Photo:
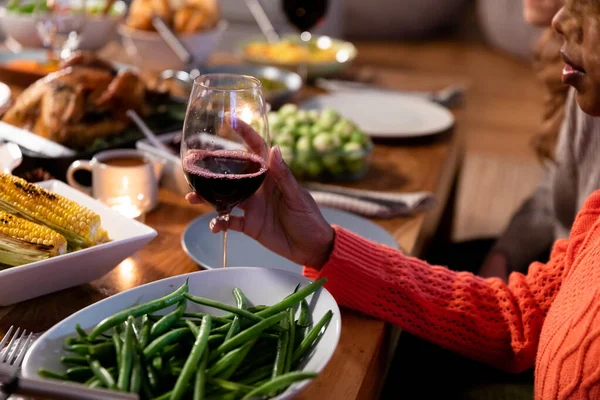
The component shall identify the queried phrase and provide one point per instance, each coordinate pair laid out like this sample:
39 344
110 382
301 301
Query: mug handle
74 167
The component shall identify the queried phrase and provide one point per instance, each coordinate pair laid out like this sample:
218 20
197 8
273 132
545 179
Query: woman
549 318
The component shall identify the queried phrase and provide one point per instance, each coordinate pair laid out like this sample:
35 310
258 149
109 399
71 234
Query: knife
33 142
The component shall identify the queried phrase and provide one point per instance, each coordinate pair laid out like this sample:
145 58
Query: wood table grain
358 367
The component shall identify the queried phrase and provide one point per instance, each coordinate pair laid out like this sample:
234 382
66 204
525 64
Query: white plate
387 115
206 248
5 94
215 284
61 272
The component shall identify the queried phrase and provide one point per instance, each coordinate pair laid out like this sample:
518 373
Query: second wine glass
225 141
59 24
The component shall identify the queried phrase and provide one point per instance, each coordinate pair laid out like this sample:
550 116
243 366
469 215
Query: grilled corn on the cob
22 241
78 224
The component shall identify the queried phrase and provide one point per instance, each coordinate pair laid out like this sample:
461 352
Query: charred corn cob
78 224
22 241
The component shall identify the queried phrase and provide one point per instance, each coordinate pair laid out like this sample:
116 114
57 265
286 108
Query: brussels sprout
284 140
297 168
287 110
303 145
336 169
356 166
343 128
359 137
352 151
302 116
291 122
329 117
287 153
302 130
313 167
312 115
315 130
324 142
330 160
273 118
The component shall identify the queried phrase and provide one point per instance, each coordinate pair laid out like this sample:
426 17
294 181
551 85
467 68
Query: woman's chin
589 102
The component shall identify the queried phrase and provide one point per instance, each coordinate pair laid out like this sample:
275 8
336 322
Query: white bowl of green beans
235 333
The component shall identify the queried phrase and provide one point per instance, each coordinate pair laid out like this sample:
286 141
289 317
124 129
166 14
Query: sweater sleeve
484 319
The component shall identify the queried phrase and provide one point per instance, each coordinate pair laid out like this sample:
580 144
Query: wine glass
225 141
305 15
59 24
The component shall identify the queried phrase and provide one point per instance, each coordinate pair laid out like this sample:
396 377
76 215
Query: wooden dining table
358 367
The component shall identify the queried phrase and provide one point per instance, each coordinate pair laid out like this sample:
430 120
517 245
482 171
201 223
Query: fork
11 358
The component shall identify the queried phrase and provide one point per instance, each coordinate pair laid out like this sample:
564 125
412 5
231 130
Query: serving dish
98 31
72 269
343 55
216 285
150 49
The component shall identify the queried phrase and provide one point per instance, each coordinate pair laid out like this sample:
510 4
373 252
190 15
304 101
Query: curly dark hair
548 66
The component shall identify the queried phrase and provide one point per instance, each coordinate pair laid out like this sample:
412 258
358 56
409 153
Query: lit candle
124 206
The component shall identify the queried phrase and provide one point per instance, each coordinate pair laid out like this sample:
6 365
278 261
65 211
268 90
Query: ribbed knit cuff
355 270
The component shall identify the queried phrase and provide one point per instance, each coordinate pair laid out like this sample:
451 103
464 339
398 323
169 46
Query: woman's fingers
193 198
235 223
283 176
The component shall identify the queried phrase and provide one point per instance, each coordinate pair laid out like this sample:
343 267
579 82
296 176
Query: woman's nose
559 20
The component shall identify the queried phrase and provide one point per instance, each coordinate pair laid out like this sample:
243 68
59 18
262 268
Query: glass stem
225 218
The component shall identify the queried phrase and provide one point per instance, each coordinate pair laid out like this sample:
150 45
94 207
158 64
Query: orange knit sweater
549 318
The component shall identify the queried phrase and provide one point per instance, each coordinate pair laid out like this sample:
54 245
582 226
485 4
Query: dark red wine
305 14
224 178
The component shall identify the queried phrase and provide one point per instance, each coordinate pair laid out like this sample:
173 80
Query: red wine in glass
305 14
224 178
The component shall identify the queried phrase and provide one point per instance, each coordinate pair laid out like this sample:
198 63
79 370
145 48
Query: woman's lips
570 74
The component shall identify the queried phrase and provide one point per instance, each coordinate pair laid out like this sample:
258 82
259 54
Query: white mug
138 183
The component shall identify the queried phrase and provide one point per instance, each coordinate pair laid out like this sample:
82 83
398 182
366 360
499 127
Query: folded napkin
371 203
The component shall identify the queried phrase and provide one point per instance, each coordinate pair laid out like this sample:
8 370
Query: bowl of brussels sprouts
320 144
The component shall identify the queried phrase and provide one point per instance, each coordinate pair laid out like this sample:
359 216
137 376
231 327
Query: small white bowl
151 51
57 273
21 32
214 284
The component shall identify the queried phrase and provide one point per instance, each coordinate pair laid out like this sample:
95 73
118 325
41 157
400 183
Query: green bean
215 338
198 349
223 328
292 299
193 327
118 346
75 360
265 356
160 342
291 341
229 359
136 375
170 350
257 375
254 310
240 300
81 332
157 363
126 357
144 332
223 306
139 310
279 383
79 373
311 337
44 373
226 396
231 386
82 349
91 380
199 315
101 349
164 396
282 350
151 375
304 318
248 334
101 373
96 383
163 324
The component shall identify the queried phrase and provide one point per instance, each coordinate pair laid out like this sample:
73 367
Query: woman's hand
283 217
